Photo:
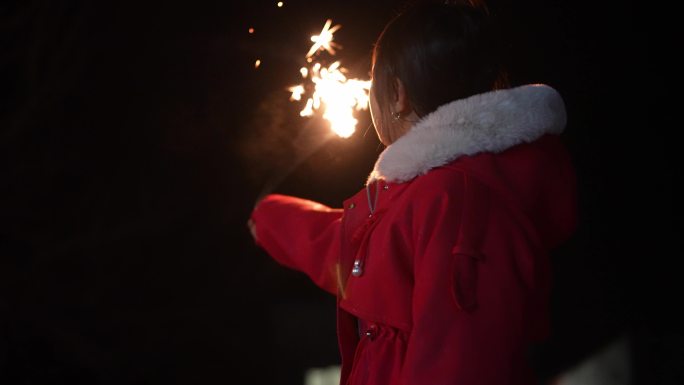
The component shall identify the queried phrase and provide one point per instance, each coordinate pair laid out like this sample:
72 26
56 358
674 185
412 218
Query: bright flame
280 4
333 93
308 109
257 63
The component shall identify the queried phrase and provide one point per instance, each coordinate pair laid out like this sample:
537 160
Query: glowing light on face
334 95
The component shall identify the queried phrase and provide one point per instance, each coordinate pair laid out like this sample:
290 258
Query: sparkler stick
276 180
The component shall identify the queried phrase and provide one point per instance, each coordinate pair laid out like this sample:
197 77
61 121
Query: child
440 265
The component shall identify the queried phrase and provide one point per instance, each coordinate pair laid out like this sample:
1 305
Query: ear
401 103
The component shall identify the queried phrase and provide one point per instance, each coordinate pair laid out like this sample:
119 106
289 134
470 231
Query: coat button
372 332
357 270
386 187
351 206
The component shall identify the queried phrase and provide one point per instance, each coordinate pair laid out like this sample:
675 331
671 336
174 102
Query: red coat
452 275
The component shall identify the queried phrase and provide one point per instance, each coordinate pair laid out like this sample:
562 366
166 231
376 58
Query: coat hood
488 122
509 140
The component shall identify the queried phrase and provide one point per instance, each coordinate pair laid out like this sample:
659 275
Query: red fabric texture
456 274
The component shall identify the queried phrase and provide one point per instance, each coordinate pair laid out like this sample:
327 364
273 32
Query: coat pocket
464 271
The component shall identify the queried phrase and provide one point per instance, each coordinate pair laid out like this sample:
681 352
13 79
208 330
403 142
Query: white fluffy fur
489 122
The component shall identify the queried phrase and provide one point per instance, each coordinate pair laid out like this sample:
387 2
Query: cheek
374 110
376 115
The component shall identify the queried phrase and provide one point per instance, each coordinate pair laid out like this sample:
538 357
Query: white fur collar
488 122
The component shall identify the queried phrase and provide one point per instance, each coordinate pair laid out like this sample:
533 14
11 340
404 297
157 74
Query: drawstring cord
372 205
357 269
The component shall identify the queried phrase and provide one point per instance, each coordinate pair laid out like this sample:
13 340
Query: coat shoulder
449 181
438 191
441 179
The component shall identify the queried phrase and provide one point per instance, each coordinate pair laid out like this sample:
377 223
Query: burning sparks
297 92
333 93
324 40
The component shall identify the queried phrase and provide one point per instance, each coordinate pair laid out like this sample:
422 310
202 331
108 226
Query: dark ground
135 138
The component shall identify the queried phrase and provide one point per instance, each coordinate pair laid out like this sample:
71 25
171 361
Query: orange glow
251 30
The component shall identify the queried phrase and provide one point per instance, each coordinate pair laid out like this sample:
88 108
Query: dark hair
440 52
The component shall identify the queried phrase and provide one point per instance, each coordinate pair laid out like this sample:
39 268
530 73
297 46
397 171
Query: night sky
135 138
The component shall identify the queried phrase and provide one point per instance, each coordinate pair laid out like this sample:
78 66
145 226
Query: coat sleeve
466 307
302 235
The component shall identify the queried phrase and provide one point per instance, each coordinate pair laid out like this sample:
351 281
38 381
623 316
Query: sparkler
333 93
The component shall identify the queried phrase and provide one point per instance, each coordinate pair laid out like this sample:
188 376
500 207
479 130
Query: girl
440 265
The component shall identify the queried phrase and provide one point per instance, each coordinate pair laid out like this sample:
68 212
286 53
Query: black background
135 138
